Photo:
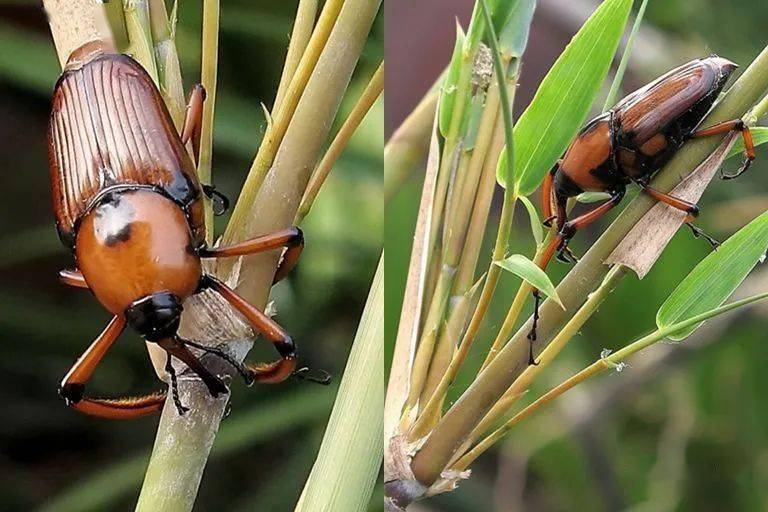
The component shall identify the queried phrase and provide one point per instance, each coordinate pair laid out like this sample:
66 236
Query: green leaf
713 280
507 172
564 97
536 229
475 30
759 136
502 168
351 453
610 98
592 197
450 86
513 32
528 271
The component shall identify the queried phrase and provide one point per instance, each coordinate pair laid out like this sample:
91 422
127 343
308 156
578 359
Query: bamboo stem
209 73
364 103
350 455
277 129
302 32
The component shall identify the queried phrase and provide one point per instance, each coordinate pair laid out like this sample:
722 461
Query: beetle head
156 316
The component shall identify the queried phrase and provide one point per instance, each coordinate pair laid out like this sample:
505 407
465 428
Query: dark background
53 456
686 427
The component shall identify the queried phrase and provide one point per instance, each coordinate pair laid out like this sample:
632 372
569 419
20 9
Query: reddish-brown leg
72 278
73 386
291 238
730 126
193 119
546 196
566 230
271 372
690 208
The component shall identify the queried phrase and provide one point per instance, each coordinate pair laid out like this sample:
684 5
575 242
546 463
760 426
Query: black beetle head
156 316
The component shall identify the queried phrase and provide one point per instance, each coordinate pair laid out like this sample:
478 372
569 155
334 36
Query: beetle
628 144
129 206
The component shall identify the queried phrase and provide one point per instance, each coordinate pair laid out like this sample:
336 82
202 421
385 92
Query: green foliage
533 215
527 270
716 277
513 32
564 97
451 84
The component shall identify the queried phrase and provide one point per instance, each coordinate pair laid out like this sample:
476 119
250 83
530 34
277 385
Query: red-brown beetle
129 205
632 141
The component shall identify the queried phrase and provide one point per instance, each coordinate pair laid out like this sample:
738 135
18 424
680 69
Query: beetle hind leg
726 127
685 206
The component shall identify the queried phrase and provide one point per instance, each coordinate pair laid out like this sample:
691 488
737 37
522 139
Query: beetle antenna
321 377
174 386
237 365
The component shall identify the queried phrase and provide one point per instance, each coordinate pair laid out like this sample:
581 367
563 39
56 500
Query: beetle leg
276 371
193 119
569 228
178 349
546 196
726 127
72 387
690 208
291 238
72 278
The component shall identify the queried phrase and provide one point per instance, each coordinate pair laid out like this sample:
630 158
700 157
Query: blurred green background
685 428
53 457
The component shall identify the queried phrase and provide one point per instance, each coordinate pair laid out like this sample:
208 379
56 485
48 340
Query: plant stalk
346 468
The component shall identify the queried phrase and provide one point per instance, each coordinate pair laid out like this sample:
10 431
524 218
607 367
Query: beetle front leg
546 196
72 388
72 278
730 126
276 371
291 238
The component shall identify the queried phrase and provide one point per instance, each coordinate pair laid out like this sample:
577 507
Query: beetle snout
726 66
156 316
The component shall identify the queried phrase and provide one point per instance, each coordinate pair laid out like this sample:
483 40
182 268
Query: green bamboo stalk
407 146
274 208
608 362
141 47
167 60
302 31
209 73
347 466
283 118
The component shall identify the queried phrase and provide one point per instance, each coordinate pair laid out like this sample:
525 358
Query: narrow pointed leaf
713 280
528 271
564 97
450 86
513 33
533 215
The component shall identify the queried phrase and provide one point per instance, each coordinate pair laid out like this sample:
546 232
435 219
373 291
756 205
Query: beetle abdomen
109 126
